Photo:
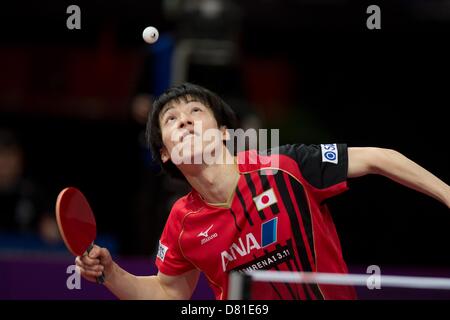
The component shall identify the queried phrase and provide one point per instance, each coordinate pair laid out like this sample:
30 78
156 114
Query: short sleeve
323 166
170 259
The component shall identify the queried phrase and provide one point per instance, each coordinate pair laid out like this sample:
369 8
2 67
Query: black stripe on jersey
288 263
266 185
250 184
295 224
235 222
287 285
314 287
297 268
302 203
252 188
291 249
244 206
276 290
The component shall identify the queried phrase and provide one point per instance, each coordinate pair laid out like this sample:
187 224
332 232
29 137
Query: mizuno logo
206 236
205 233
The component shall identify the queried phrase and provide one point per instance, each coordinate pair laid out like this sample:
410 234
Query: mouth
187 134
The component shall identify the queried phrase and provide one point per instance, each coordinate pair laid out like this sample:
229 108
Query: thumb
95 252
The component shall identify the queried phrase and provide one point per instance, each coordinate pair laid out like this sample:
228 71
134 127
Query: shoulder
184 205
297 150
251 160
303 153
287 149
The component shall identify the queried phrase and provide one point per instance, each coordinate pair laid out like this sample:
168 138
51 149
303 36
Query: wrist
110 273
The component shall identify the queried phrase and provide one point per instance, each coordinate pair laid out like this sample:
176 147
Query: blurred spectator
23 207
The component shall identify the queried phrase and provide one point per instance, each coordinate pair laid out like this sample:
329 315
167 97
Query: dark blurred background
73 105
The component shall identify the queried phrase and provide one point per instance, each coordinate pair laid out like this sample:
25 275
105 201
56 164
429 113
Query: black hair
223 113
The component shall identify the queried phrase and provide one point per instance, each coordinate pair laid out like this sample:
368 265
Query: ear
164 154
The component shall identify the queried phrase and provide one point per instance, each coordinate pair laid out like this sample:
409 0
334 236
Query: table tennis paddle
76 223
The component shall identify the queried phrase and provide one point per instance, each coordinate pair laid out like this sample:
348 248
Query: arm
395 166
158 287
127 286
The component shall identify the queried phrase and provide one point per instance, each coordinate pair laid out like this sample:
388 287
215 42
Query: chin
191 157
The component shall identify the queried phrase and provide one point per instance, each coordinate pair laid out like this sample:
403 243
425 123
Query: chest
267 215
220 240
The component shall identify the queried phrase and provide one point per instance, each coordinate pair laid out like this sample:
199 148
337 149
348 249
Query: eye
196 109
169 119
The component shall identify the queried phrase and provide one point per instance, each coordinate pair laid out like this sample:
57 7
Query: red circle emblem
265 199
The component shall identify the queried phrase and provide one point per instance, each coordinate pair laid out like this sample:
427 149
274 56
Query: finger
95 252
78 262
98 267
84 272
104 254
90 273
90 261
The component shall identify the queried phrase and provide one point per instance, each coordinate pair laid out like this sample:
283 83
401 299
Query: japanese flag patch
265 199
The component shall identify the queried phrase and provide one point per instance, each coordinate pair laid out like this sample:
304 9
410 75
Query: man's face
187 129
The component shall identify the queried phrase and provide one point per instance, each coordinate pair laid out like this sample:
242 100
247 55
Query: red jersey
276 220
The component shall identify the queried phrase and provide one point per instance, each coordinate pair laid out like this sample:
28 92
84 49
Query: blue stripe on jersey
269 232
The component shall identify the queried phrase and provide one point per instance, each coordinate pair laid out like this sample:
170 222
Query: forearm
399 168
126 286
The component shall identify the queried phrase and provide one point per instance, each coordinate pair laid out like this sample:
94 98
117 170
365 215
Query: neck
215 182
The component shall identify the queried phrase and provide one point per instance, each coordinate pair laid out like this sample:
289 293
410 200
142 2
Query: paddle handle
100 279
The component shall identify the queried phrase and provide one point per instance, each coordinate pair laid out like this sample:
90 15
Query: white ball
150 35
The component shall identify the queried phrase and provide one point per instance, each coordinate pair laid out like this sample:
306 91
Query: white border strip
350 279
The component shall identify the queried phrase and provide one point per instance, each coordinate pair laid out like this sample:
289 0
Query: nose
185 121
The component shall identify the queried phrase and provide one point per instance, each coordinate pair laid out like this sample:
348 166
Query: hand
97 261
